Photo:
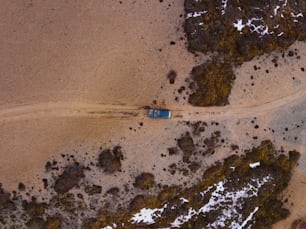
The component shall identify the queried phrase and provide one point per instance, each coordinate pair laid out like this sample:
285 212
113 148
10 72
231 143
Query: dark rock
36 223
51 166
66 202
233 175
144 181
214 32
198 127
33 208
110 160
194 166
299 224
187 146
93 189
173 151
69 178
172 168
211 142
214 80
141 201
21 187
172 76
45 181
54 222
168 193
234 147
5 201
113 191
294 156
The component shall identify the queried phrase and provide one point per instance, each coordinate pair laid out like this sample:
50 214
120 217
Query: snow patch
223 6
184 200
260 29
147 215
196 14
254 165
228 202
239 25
275 10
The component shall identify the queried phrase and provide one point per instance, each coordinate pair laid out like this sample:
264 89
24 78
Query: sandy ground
68 71
93 52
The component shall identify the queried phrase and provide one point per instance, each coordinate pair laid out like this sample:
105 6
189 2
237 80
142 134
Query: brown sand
89 53
60 62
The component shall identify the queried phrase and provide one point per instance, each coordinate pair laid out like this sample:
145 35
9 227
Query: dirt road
186 112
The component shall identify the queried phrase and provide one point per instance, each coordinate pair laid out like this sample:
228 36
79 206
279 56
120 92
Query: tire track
186 112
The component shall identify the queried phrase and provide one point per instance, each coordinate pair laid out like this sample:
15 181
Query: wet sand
114 53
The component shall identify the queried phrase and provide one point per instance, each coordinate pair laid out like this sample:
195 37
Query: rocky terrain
228 193
234 32
229 168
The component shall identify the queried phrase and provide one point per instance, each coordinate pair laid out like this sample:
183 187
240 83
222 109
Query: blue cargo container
157 113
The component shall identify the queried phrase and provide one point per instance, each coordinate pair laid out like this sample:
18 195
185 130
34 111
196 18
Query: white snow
260 29
254 165
206 191
296 15
249 217
239 25
275 10
257 25
110 227
146 215
223 5
196 14
228 202
183 218
184 200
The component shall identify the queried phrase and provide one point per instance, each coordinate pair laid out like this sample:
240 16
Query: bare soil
74 82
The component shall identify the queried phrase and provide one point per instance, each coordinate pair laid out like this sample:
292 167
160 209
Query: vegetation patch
241 191
144 181
214 80
69 178
110 160
235 32
186 144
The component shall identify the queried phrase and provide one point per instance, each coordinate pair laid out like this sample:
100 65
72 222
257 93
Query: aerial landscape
153 114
